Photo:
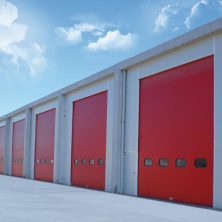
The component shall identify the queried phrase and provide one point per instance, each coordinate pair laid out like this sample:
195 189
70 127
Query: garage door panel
176 121
89 141
18 148
44 145
2 145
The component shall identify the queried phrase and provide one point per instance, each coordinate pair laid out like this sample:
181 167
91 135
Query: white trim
109 138
17 118
182 56
60 135
37 110
131 133
27 143
2 123
217 196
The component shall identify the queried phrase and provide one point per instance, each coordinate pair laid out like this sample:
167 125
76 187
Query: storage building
149 126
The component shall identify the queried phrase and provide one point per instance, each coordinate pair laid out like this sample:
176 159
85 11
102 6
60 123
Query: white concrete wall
2 123
217 198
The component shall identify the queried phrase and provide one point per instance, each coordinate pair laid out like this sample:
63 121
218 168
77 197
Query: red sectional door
89 141
176 134
2 145
44 145
18 148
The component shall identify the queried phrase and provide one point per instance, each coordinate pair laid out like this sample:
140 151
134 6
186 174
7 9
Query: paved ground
31 201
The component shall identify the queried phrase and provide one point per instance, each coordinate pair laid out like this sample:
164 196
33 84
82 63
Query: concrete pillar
217 194
27 144
60 141
118 131
8 138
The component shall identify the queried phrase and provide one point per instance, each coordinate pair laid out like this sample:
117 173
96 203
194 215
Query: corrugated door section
18 148
89 141
44 145
176 134
2 145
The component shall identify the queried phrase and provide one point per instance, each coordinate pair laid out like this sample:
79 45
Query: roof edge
207 30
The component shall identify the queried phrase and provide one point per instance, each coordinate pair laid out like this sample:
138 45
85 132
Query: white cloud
167 14
113 40
88 27
195 10
74 34
70 35
10 31
8 13
37 60
175 17
12 34
32 55
105 37
203 10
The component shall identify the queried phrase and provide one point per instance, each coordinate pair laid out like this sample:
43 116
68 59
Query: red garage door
18 148
89 141
176 134
44 145
2 145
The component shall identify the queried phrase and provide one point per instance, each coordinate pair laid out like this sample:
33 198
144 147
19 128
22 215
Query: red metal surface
44 145
89 141
18 148
2 144
176 121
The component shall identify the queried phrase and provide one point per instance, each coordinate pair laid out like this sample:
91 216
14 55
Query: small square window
181 162
200 163
42 161
83 161
163 162
100 161
91 161
148 162
76 162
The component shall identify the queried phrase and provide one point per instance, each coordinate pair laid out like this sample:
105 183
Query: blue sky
48 44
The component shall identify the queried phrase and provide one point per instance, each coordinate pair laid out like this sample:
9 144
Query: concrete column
118 131
217 194
8 142
60 141
27 144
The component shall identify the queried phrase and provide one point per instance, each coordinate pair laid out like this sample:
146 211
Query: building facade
148 126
